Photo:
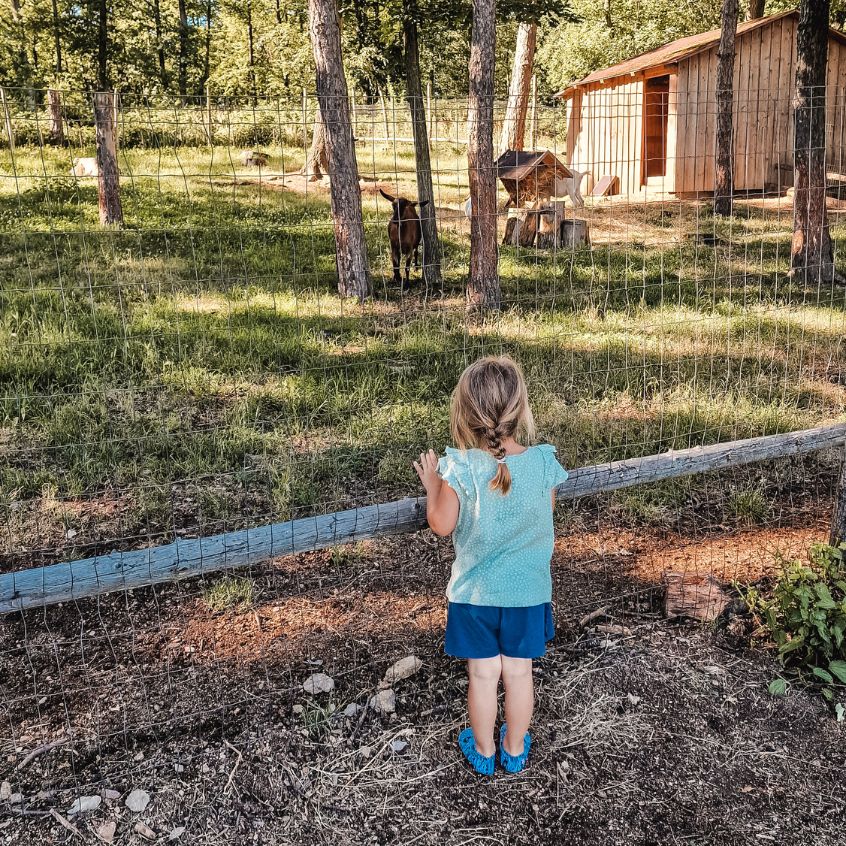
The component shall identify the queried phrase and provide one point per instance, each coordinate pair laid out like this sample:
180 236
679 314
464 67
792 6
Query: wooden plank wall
604 133
605 128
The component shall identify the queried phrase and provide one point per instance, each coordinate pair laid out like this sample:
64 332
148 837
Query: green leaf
828 693
839 670
796 643
825 600
778 687
820 673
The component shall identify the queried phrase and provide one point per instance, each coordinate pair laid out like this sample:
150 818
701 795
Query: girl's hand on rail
427 470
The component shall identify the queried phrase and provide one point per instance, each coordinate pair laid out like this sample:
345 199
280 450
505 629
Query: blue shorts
485 631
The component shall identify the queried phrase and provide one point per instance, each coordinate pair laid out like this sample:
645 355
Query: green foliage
805 616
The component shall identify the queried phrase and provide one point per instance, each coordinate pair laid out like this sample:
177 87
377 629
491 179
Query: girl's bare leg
483 676
519 701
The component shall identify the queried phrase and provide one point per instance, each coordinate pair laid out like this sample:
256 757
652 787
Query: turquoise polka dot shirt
503 544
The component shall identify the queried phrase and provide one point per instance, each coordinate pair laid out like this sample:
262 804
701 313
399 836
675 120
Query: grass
198 366
229 592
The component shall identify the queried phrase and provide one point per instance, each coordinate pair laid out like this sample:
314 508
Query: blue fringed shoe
467 745
513 763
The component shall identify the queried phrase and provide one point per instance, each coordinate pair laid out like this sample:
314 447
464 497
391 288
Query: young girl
495 496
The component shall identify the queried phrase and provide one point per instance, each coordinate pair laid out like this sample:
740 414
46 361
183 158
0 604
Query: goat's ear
423 203
388 197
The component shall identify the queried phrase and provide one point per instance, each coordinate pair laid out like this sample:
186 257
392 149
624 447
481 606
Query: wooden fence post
57 125
305 121
838 519
108 180
209 126
10 133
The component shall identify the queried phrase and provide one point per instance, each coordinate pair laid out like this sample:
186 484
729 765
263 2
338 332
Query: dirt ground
665 734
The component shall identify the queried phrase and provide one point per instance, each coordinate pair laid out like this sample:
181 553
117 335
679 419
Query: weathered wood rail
71 580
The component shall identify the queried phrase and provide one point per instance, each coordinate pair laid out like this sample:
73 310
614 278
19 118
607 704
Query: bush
253 135
806 619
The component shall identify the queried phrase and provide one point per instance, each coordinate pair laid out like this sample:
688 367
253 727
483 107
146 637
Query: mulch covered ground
662 734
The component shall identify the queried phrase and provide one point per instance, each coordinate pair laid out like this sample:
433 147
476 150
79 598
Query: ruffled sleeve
454 469
553 473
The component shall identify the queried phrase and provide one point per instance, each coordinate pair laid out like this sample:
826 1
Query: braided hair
489 404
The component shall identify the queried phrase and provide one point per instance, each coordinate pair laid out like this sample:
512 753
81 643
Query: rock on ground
319 683
83 804
384 702
402 669
137 800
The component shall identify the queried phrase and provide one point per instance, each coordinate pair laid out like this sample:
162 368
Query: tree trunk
103 45
57 41
108 181
252 53
755 10
17 21
207 57
724 177
483 289
425 191
332 95
57 126
811 255
514 125
317 158
160 52
183 50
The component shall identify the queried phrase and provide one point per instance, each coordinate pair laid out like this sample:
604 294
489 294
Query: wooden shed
651 121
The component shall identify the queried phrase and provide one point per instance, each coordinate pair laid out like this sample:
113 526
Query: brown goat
405 234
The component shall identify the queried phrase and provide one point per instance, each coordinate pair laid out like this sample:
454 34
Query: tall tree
57 38
102 45
160 48
811 254
317 158
483 290
514 125
252 53
350 247
724 176
425 191
184 32
755 10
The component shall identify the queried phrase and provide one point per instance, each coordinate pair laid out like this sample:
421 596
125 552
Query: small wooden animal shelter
651 121
532 179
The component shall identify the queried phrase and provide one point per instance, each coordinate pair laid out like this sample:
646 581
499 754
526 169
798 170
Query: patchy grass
198 369
229 592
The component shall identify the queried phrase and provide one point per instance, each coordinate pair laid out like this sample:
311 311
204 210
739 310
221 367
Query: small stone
352 709
83 804
178 768
5 791
399 745
111 795
176 833
402 669
365 751
70 534
137 800
144 830
106 832
318 683
298 709
16 799
139 756
633 700
384 702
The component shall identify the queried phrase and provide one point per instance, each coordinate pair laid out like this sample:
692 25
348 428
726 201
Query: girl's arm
442 504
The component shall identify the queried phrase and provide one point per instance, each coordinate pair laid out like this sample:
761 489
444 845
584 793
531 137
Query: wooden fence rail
40 586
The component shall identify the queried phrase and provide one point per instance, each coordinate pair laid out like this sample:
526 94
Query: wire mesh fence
195 372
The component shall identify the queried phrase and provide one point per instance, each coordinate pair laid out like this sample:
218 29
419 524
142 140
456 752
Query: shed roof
677 50
518 164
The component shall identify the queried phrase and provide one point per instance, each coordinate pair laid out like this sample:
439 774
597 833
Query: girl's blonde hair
491 403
